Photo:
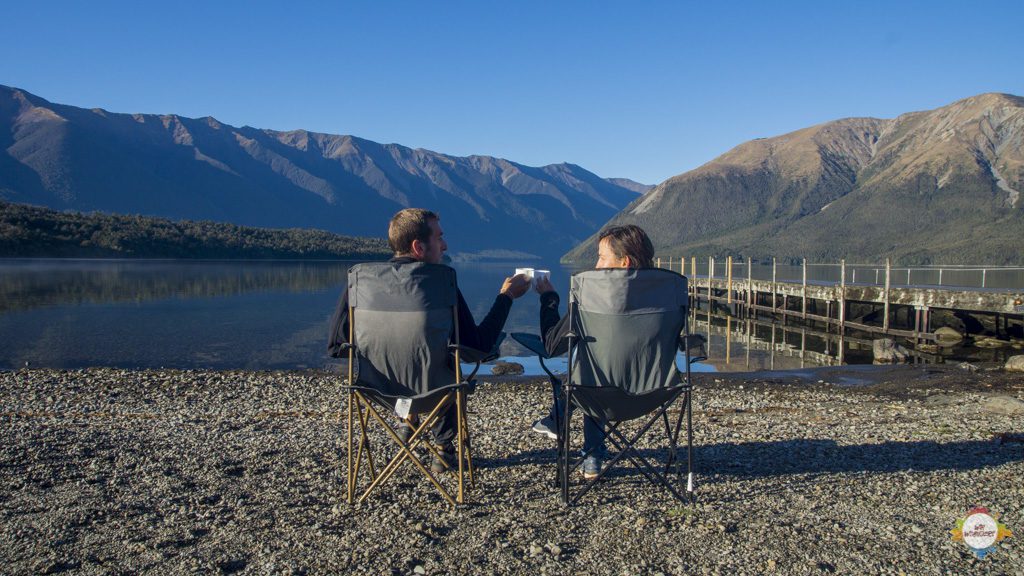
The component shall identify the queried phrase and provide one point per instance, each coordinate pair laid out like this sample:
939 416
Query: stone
967 367
946 336
507 369
887 351
1006 405
1014 364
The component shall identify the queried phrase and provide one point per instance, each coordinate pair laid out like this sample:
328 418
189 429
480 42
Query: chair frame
627 446
361 408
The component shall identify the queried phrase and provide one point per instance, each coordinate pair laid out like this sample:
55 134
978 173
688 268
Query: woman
618 247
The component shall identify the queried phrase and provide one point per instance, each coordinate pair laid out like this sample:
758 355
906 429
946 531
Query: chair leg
459 438
469 446
349 476
406 453
565 445
405 450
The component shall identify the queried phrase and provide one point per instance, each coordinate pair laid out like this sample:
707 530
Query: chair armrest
696 345
479 356
531 342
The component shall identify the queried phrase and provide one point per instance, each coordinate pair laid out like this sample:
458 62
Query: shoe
546 426
449 459
405 432
591 467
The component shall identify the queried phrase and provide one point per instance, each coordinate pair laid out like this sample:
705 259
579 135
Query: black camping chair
404 356
626 328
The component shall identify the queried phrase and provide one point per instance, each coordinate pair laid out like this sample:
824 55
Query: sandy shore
116 471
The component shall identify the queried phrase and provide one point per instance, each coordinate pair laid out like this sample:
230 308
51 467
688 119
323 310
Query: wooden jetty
830 302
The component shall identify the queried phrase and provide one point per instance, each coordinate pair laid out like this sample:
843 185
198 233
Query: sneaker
546 426
449 459
405 431
591 467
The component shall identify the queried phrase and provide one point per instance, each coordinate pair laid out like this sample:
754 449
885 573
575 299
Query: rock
887 351
988 342
967 366
1014 364
946 336
507 369
1007 405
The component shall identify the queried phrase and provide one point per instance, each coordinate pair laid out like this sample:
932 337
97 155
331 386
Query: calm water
183 314
275 315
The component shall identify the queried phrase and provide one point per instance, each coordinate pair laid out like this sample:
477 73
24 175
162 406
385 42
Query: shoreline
176 471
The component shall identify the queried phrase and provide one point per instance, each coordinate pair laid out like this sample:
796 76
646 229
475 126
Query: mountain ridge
171 166
926 186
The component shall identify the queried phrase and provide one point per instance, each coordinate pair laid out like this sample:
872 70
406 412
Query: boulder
507 369
1006 405
946 336
887 351
1014 364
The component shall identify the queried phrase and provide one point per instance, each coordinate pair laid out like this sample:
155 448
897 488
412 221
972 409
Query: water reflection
186 314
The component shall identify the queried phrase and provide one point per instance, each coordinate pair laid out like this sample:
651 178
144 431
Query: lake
261 315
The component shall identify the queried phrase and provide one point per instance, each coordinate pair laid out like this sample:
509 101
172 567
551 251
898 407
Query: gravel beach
841 470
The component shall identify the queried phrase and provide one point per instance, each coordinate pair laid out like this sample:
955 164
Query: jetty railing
993 277
830 289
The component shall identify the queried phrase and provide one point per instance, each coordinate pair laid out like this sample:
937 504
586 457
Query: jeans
593 428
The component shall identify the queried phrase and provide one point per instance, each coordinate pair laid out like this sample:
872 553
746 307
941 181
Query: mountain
631 185
938 186
70 158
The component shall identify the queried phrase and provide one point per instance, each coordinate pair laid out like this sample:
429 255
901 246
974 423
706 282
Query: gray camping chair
404 355
626 328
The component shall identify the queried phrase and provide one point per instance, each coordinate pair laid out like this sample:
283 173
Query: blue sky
644 90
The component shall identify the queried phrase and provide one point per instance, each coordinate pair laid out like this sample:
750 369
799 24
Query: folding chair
626 327
404 356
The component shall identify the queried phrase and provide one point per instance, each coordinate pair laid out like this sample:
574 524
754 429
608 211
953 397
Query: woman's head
624 247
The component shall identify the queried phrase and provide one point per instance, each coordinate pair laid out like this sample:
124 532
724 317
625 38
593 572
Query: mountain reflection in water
274 315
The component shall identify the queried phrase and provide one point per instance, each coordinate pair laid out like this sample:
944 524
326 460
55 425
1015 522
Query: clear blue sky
643 90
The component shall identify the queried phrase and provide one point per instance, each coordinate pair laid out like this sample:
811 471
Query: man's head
417 233
624 247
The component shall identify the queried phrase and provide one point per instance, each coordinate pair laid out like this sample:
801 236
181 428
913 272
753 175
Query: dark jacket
482 337
552 328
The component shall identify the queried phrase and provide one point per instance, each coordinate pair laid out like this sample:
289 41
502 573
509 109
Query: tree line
31 231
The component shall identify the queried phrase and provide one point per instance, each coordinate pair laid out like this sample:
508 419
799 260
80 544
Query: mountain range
938 186
70 158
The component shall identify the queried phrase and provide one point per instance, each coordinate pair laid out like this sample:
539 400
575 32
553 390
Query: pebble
169 471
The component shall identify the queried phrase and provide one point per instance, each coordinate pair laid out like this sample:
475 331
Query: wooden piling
775 287
885 296
842 297
803 295
728 280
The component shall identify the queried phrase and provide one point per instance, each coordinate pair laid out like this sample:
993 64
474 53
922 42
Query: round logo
980 530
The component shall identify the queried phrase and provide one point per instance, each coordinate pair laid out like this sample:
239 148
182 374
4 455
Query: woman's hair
631 241
408 225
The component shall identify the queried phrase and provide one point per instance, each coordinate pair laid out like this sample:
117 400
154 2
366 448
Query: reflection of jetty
830 301
808 345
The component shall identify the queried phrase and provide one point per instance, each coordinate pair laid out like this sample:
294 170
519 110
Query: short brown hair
631 241
408 225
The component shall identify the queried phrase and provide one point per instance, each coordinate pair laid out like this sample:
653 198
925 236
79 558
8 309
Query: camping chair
404 356
626 327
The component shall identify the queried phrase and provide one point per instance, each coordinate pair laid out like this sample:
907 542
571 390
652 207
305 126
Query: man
415 235
617 247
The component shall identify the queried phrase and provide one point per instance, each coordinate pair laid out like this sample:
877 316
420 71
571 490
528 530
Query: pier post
750 285
711 274
885 317
842 298
775 289
803 295
728 280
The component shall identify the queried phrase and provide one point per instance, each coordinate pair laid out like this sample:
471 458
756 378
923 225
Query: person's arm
482 337
553 328
338 335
